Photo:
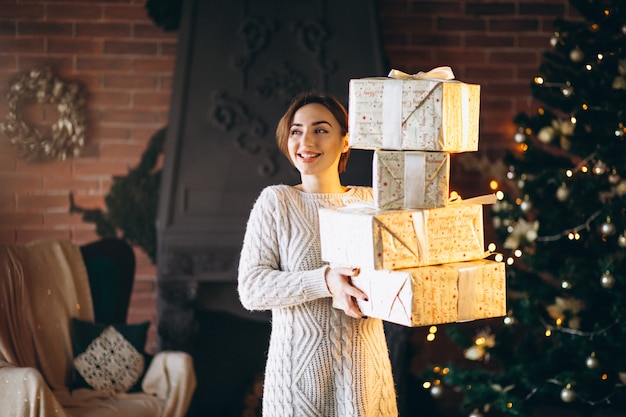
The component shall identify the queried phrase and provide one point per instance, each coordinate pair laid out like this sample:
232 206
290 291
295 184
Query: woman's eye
294 132
320 131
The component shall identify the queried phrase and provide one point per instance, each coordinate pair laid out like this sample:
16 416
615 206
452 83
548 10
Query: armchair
47 287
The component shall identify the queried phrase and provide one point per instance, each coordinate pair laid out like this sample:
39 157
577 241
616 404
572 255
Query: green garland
132 202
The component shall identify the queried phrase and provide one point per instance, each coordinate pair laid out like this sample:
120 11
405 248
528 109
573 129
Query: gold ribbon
439 73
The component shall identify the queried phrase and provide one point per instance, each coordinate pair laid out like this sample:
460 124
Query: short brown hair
327 100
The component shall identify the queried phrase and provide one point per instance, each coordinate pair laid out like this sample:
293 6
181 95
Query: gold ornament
67 132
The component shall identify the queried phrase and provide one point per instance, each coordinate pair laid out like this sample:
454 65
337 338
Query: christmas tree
561 224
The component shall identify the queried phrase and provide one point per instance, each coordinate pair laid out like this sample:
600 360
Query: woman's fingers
344 293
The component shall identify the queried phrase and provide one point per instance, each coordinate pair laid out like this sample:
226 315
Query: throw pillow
109 357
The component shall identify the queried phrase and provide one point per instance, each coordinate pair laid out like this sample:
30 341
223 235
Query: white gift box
410 179
358 235
435 294
423 114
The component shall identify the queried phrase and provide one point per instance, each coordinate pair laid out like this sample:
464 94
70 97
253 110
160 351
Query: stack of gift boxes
421 256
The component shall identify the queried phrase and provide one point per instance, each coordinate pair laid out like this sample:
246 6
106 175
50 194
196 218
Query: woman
323 361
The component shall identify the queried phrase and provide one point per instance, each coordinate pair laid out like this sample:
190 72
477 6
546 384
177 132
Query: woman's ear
346 143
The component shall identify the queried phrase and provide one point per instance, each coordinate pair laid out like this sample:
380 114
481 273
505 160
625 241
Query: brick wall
126 66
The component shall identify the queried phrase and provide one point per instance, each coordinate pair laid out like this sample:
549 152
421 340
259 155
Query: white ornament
436 391
592 362
568 394
607 280
576 55
546 134
607 228
562 193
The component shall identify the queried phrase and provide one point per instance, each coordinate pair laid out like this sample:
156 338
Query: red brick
8 62
16 182
89 201
80 12
98 63
152 31
542 9
535 41
513 25
482 9
131 12
22 11
130 48
437 40
102 99
60 65
88 168
435 7
42 203
7 164
131 117
74 46
490 41
28 45
7 27
55 168
100 132
166 82
65 220
457 57
476 73
157 99
460 24
168 49
7 236
108 30
129 151
7 202
514 57
30 235
410 23
45 28
135 82
154 65
143 134
70 184
18 220
82 236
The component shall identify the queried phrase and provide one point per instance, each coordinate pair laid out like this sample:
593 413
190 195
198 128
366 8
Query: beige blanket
42 285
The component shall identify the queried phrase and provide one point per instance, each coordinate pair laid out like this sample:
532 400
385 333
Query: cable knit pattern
321 363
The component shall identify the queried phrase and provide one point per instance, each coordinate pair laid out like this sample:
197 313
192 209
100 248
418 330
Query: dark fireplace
239 64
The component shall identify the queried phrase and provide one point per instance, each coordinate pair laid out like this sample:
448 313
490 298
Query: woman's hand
339 282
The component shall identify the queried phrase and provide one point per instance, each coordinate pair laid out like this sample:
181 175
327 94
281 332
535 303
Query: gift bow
440 73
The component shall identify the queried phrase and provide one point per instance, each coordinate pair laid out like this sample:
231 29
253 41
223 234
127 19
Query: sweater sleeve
262 285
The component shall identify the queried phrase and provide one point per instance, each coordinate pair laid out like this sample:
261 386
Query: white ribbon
439 73
392 114
415 174
466 307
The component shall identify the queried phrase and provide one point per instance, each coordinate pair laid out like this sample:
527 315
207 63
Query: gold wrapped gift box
359 235
423 115
435 294
410 179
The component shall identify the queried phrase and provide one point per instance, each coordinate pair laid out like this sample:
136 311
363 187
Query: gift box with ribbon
410 179
359 235
414 112
435 294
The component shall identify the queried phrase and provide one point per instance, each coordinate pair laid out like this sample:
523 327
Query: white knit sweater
321 363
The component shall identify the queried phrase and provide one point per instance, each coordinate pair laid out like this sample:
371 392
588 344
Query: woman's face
315 141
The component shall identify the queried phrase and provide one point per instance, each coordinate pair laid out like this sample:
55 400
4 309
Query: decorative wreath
68 131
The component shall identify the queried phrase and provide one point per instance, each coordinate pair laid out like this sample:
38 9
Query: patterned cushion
109 357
